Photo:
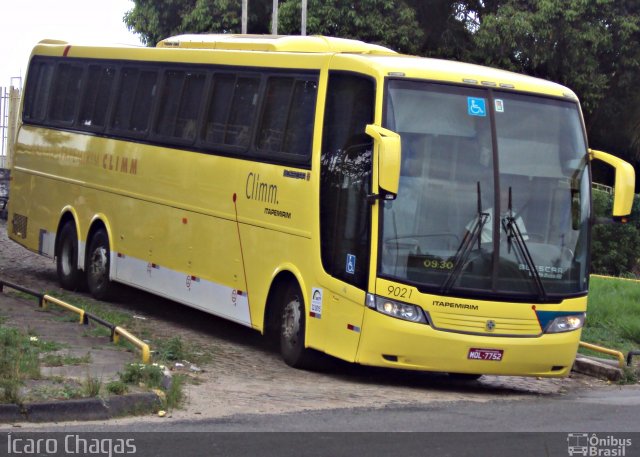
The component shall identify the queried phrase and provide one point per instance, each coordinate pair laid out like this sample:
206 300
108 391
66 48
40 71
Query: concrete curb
85 409
596 368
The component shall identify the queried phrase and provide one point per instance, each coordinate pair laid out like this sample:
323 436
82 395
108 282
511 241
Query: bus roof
384 61
275 43
405 66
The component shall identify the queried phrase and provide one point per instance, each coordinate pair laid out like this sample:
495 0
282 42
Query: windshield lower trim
483 294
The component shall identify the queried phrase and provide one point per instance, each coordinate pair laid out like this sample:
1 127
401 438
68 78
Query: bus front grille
499 326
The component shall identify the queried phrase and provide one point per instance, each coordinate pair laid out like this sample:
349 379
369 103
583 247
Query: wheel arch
283 275
98 222
67 215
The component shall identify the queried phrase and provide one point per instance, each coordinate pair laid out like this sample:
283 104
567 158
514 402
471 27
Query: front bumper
389 342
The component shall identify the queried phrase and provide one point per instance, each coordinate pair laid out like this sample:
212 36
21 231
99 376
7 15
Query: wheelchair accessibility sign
351 264
476 106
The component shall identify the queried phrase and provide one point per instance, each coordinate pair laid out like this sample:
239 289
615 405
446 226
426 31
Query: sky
23 23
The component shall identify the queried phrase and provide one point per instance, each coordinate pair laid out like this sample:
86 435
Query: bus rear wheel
98 266
292 328
69 275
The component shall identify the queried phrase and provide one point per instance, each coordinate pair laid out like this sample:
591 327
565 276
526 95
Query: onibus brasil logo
593 445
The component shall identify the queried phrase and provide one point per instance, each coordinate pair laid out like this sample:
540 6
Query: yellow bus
384 209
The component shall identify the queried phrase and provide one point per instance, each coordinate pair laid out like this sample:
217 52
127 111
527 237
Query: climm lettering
260 191
122 164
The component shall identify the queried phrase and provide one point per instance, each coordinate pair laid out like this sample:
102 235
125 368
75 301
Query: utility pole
274 18
303 28
244 16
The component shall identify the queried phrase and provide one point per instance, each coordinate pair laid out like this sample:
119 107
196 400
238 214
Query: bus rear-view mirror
387 156
624 183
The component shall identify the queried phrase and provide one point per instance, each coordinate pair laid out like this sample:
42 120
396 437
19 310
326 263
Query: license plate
494 355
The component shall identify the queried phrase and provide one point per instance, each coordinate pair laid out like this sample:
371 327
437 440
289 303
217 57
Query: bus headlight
396 309
566 323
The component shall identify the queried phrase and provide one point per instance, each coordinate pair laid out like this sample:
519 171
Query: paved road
602 410
538 427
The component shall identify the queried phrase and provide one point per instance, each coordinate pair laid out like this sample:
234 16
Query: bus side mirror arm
386 160
624 184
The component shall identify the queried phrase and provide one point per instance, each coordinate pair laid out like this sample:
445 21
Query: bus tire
69 275
98 266
292 328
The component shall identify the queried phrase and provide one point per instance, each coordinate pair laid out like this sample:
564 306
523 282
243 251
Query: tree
391 23
155 20
615 248
590 46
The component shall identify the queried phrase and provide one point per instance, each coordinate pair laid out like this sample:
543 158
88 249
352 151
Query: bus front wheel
98 265
292 328
69 275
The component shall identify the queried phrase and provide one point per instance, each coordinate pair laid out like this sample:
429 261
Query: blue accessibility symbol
476 106
351 264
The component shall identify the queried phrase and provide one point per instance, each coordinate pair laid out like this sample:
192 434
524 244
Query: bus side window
345 178
189 109
97 93
135 100
180 105
287 118
274 117
218 109
65 93
244 107
128 81
169 102
38 90
143 102
299 132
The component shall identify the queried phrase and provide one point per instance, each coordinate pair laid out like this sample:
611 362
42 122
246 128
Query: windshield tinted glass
443 232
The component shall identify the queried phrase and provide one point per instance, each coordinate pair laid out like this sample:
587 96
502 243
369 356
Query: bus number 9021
400 292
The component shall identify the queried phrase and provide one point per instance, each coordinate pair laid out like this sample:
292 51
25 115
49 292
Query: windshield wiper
464 249
510 226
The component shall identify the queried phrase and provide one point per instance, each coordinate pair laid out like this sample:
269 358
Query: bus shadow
214 330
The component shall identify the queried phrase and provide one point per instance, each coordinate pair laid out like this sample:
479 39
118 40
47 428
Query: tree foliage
591 46
155 20
615 248
388 22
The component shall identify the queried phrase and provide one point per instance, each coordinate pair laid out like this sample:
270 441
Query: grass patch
176 350
21 356
101 310
613 320
613 314
117 387
143 375
174 395
58 360
63 390
20 294
91 386
19 360
151 377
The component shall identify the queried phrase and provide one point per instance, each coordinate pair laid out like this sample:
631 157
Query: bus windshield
493 196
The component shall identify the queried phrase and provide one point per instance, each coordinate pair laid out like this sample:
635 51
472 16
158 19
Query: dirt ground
246 376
